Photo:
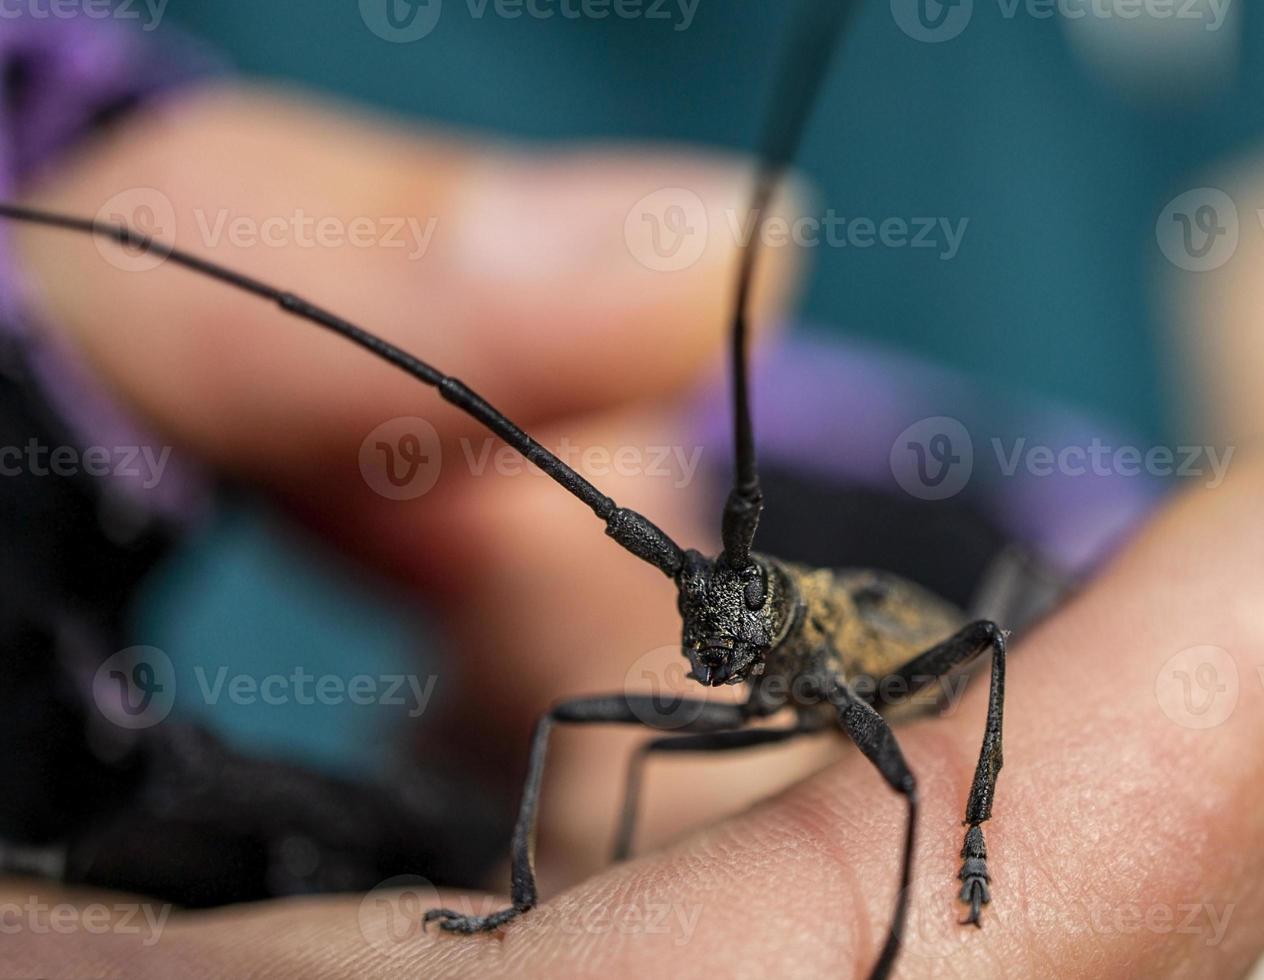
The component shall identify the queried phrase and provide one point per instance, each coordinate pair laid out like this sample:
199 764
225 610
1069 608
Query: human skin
1115 817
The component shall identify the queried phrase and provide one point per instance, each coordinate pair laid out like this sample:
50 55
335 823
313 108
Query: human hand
1098 808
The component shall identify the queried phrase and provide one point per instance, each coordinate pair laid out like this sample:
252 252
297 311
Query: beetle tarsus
452 921
974 876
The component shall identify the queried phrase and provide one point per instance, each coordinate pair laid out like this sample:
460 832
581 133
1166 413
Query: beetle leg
617 709
967 644
712 742
873 736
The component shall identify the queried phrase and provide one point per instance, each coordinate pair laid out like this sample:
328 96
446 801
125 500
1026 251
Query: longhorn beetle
747 617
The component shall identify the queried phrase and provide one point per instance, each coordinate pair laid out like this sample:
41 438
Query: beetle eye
753 593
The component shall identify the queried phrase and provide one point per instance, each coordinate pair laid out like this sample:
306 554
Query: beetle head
731 616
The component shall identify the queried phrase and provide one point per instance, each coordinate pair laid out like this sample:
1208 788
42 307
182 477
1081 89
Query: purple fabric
838 409
70 71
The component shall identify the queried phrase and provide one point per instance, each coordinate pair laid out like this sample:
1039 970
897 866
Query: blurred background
1050 144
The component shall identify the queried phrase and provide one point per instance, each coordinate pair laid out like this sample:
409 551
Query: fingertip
613 270
553 283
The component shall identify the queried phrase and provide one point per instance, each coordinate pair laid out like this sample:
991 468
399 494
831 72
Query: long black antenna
805 58
633 531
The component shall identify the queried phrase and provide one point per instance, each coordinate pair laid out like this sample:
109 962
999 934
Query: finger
532 289
537 287
530 276
1126 837
499 298
1126 840
1213 304
555 610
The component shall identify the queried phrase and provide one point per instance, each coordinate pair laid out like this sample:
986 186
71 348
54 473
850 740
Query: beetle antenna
633 531
804 61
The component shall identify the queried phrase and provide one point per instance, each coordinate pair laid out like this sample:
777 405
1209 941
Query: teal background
1061 176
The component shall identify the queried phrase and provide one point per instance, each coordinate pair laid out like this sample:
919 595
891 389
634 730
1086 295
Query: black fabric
944 545
64 588
170 811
